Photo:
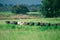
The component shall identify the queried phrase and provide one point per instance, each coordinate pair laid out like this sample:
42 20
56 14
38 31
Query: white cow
20 23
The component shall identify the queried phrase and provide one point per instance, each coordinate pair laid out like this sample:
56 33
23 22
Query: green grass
36 14
27 27
33 13
43 20
28 32
29 35
10 13
5 14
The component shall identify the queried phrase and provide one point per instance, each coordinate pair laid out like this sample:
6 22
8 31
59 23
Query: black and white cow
20 23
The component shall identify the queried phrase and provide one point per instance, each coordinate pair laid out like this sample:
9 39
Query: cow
20 23
44 24
8 22
31 23
14 22
54 24
27 23
58 24
41 24
49 24
38 24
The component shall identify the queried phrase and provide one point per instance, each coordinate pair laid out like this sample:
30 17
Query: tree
20 9
50 8
1 5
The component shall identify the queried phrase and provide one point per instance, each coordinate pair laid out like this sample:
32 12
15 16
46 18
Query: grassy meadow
17 32
27 32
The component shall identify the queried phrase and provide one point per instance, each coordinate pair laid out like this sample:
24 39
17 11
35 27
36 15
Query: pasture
27 32
43 20
10 15
16 32
5 14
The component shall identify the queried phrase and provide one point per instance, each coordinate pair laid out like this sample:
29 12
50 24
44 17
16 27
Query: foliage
50 8
1 5
20 9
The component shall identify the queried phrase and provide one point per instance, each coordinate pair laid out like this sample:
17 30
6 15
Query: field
16 32
29 15
27 32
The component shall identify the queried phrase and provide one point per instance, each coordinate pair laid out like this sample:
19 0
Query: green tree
1 5
50 8
20 9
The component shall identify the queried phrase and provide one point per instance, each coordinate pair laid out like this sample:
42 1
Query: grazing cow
25 23
14 22
38 24
41 24
58 24
20 23
8 22
31 23
28 23
54 24
49 24
44 24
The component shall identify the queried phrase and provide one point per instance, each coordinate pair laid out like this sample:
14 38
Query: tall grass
6 14
28 27
27 32
17 32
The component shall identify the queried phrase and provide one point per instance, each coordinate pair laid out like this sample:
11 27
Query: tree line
8 7
50 8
